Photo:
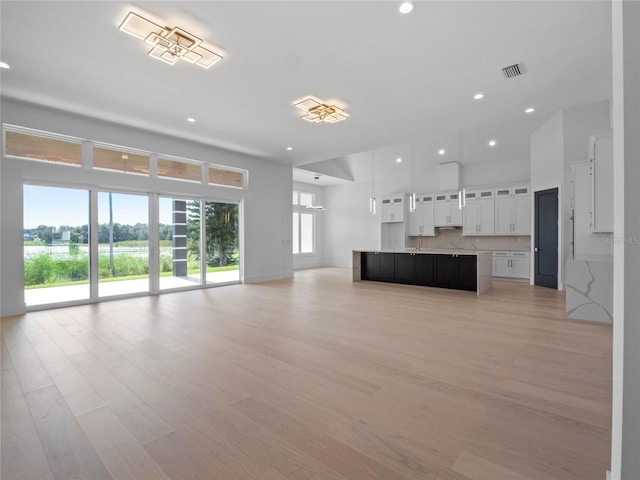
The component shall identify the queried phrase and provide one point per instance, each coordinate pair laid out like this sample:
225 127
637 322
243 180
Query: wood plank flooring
311 378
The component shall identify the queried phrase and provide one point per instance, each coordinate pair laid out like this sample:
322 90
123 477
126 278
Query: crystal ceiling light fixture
317 111
169 45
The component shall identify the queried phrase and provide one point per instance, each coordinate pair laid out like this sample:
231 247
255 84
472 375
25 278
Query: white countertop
431 251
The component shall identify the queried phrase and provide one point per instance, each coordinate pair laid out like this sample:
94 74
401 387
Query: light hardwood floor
311 378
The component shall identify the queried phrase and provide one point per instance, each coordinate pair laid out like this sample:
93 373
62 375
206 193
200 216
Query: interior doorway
546 238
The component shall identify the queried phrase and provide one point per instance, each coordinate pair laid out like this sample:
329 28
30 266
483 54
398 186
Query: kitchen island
458 269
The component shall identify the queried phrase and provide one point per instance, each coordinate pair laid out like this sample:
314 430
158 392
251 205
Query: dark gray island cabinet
461 270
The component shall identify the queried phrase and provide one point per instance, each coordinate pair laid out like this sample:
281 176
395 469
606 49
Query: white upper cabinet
421 222
601 171
447 209
513 210
393 208
479 212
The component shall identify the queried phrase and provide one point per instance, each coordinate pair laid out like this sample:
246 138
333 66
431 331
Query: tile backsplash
455 239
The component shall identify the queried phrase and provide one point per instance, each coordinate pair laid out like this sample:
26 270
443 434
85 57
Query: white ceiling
404 79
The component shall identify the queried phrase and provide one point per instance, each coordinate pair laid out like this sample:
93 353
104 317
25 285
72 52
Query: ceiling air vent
513 70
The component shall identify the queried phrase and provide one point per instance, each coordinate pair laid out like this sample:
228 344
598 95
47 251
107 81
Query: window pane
123 243
220 176
306 198
306 233
179 242
295 198
179 170
222 254
296 233
56 244
43 148
120 161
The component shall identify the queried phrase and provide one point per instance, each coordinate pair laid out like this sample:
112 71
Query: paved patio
50 295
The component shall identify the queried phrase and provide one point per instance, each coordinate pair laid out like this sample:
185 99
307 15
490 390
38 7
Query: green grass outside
130 277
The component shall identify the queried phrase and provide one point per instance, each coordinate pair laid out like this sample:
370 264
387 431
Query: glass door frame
153 241
203 241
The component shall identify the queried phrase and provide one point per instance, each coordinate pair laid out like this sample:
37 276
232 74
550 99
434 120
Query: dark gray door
546 238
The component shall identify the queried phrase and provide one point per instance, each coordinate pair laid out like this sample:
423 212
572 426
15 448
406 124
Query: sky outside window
69 206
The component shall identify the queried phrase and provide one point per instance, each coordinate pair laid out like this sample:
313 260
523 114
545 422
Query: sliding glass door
123 243
179 235
198 244
221 243
197 237
56 244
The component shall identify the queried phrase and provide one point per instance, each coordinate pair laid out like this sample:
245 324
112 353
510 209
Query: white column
625 438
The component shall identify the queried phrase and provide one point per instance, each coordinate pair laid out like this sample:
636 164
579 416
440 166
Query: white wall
547 171
348 224
316 259
266 203
547 154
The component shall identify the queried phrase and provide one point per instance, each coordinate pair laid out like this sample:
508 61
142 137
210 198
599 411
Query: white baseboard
268 277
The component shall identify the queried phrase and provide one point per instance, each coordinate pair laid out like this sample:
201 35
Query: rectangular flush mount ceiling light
316 111
169 45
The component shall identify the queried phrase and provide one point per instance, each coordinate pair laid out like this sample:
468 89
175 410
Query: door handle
535 249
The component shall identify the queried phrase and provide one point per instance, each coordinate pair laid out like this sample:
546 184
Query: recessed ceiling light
4 65
478 96
289 148
191 120
399 159
492 143
405 7
441 151
530 110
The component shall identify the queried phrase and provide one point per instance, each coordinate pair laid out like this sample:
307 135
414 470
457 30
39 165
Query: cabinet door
520 266
455 212
471 217
503 218
522 215
370 266
602 183
387 268
398 209
446 271
424 269
467 272
486 212
501 266
429 215
416 220
387 210
406 268
443 210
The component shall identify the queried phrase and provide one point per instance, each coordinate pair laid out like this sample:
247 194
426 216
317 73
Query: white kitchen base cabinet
514 265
